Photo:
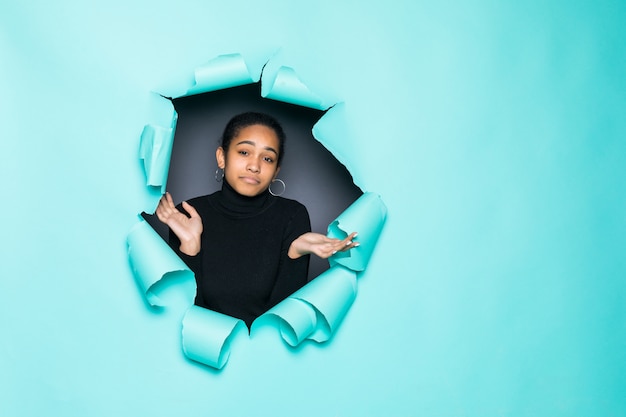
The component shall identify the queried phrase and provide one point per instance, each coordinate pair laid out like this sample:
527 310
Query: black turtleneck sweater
243 269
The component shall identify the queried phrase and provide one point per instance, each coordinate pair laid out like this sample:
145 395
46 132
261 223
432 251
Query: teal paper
155 150
296 320
206 336
332 132
331 295
155 146
222 72
315 311
494 131
151 259
286 86
366 216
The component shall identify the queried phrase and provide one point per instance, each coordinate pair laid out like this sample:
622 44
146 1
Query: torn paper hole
312 313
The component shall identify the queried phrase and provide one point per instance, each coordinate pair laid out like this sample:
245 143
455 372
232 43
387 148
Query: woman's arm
320 245
187 229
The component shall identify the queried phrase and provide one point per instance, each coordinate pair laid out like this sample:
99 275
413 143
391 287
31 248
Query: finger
166 208
351 246
190 209
163 208
163 203
162 213
351 238
170 201
349 243
327 248
159 212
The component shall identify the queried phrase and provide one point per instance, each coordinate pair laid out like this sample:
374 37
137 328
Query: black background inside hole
313 176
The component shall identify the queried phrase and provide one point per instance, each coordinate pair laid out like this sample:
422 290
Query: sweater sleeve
292 273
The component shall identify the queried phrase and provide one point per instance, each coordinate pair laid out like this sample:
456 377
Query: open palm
188 229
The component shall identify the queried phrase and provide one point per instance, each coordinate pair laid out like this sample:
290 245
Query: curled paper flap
287 87
151 259
222 72
366 216
155 149
295 319
331 295
331 131
206 336
315 311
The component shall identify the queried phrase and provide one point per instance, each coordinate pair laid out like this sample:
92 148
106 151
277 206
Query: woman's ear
276 173
220 156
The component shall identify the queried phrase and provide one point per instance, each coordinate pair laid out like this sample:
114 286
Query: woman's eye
269 159
243 152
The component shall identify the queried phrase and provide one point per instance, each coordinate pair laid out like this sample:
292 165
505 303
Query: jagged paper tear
151 260
225 71
366 215
155 145
286 86
207 335
316 310
332 131
157 139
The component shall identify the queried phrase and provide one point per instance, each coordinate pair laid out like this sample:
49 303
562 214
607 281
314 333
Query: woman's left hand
320 245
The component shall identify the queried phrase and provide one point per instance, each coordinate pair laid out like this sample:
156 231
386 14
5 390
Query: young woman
248 249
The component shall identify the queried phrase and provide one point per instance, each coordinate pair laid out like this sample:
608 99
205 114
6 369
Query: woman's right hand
320 245
187 229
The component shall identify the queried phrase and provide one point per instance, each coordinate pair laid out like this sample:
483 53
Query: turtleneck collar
233 204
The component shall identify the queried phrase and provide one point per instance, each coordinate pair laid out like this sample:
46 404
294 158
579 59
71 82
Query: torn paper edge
367 215
224 71
316 310
151 260
156 141
285 85
337 142
206 336
227 71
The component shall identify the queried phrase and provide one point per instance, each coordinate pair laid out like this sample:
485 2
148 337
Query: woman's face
251 162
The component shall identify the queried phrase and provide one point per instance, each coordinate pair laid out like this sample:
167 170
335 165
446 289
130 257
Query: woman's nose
253 166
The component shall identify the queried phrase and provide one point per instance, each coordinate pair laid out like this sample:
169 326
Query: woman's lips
250 180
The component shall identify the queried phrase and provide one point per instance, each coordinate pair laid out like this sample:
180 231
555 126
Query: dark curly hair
243 120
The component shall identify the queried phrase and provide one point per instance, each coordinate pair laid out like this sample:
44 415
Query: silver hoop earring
280 181
219 177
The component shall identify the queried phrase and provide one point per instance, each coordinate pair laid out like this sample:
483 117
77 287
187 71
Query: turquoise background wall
494 131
